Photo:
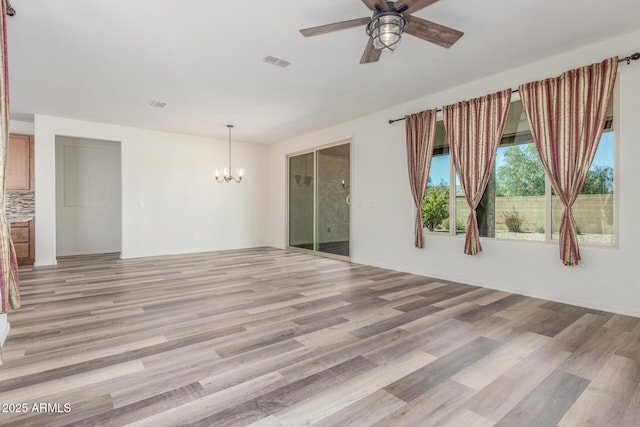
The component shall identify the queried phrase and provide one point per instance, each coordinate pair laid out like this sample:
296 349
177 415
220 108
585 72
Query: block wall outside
593 212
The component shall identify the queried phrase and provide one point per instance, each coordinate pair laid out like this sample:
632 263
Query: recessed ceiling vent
158 104
278 62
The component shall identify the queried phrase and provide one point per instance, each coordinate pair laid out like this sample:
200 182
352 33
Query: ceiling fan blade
413 5
323 29
370 54
371 4
432 32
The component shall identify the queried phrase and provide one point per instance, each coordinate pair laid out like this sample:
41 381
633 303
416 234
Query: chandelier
226 172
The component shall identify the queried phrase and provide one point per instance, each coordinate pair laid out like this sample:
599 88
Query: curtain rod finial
628 59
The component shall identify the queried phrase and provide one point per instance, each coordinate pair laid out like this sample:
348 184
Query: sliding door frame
315 151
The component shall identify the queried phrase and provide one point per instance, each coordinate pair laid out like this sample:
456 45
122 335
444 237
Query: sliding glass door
301 200
333 196
319 200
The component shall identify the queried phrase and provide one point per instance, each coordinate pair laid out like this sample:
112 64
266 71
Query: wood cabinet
20 162
23 236
20 185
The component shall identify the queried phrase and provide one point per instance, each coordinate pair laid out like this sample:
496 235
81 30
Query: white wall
170 202
21 127
383 209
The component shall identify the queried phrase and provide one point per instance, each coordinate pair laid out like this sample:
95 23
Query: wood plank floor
266 337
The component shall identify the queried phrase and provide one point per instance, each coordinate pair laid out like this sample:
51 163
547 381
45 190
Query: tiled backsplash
20 205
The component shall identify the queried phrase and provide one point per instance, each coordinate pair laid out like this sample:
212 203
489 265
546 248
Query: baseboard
4 329
632 311
625 311
45 263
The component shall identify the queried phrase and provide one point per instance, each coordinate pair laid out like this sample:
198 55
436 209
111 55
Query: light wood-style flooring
267 337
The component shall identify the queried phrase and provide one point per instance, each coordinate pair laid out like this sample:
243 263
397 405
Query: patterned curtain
421 132
474 129
9 287
567 116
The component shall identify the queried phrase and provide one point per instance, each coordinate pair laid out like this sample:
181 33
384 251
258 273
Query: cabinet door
22 234
20 162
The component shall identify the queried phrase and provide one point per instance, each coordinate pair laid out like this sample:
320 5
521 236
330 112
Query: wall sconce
308 179
10 10
306 182
345 186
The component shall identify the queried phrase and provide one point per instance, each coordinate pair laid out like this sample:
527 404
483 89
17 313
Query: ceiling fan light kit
389 21
386 30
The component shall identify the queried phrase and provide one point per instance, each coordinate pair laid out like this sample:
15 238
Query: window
519 183
516 204
593 209
436 201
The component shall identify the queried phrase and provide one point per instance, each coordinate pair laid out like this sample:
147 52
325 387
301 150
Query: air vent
158 104
278 62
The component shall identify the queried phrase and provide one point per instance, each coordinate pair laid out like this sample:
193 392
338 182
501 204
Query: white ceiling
105 61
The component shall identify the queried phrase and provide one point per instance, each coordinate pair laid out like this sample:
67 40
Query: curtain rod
627 59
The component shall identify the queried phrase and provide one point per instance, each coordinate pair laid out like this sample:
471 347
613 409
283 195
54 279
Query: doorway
319 200
88 196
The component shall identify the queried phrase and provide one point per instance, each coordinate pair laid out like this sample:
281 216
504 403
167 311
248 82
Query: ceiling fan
390 19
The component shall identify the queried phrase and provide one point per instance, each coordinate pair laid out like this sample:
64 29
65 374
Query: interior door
88 196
